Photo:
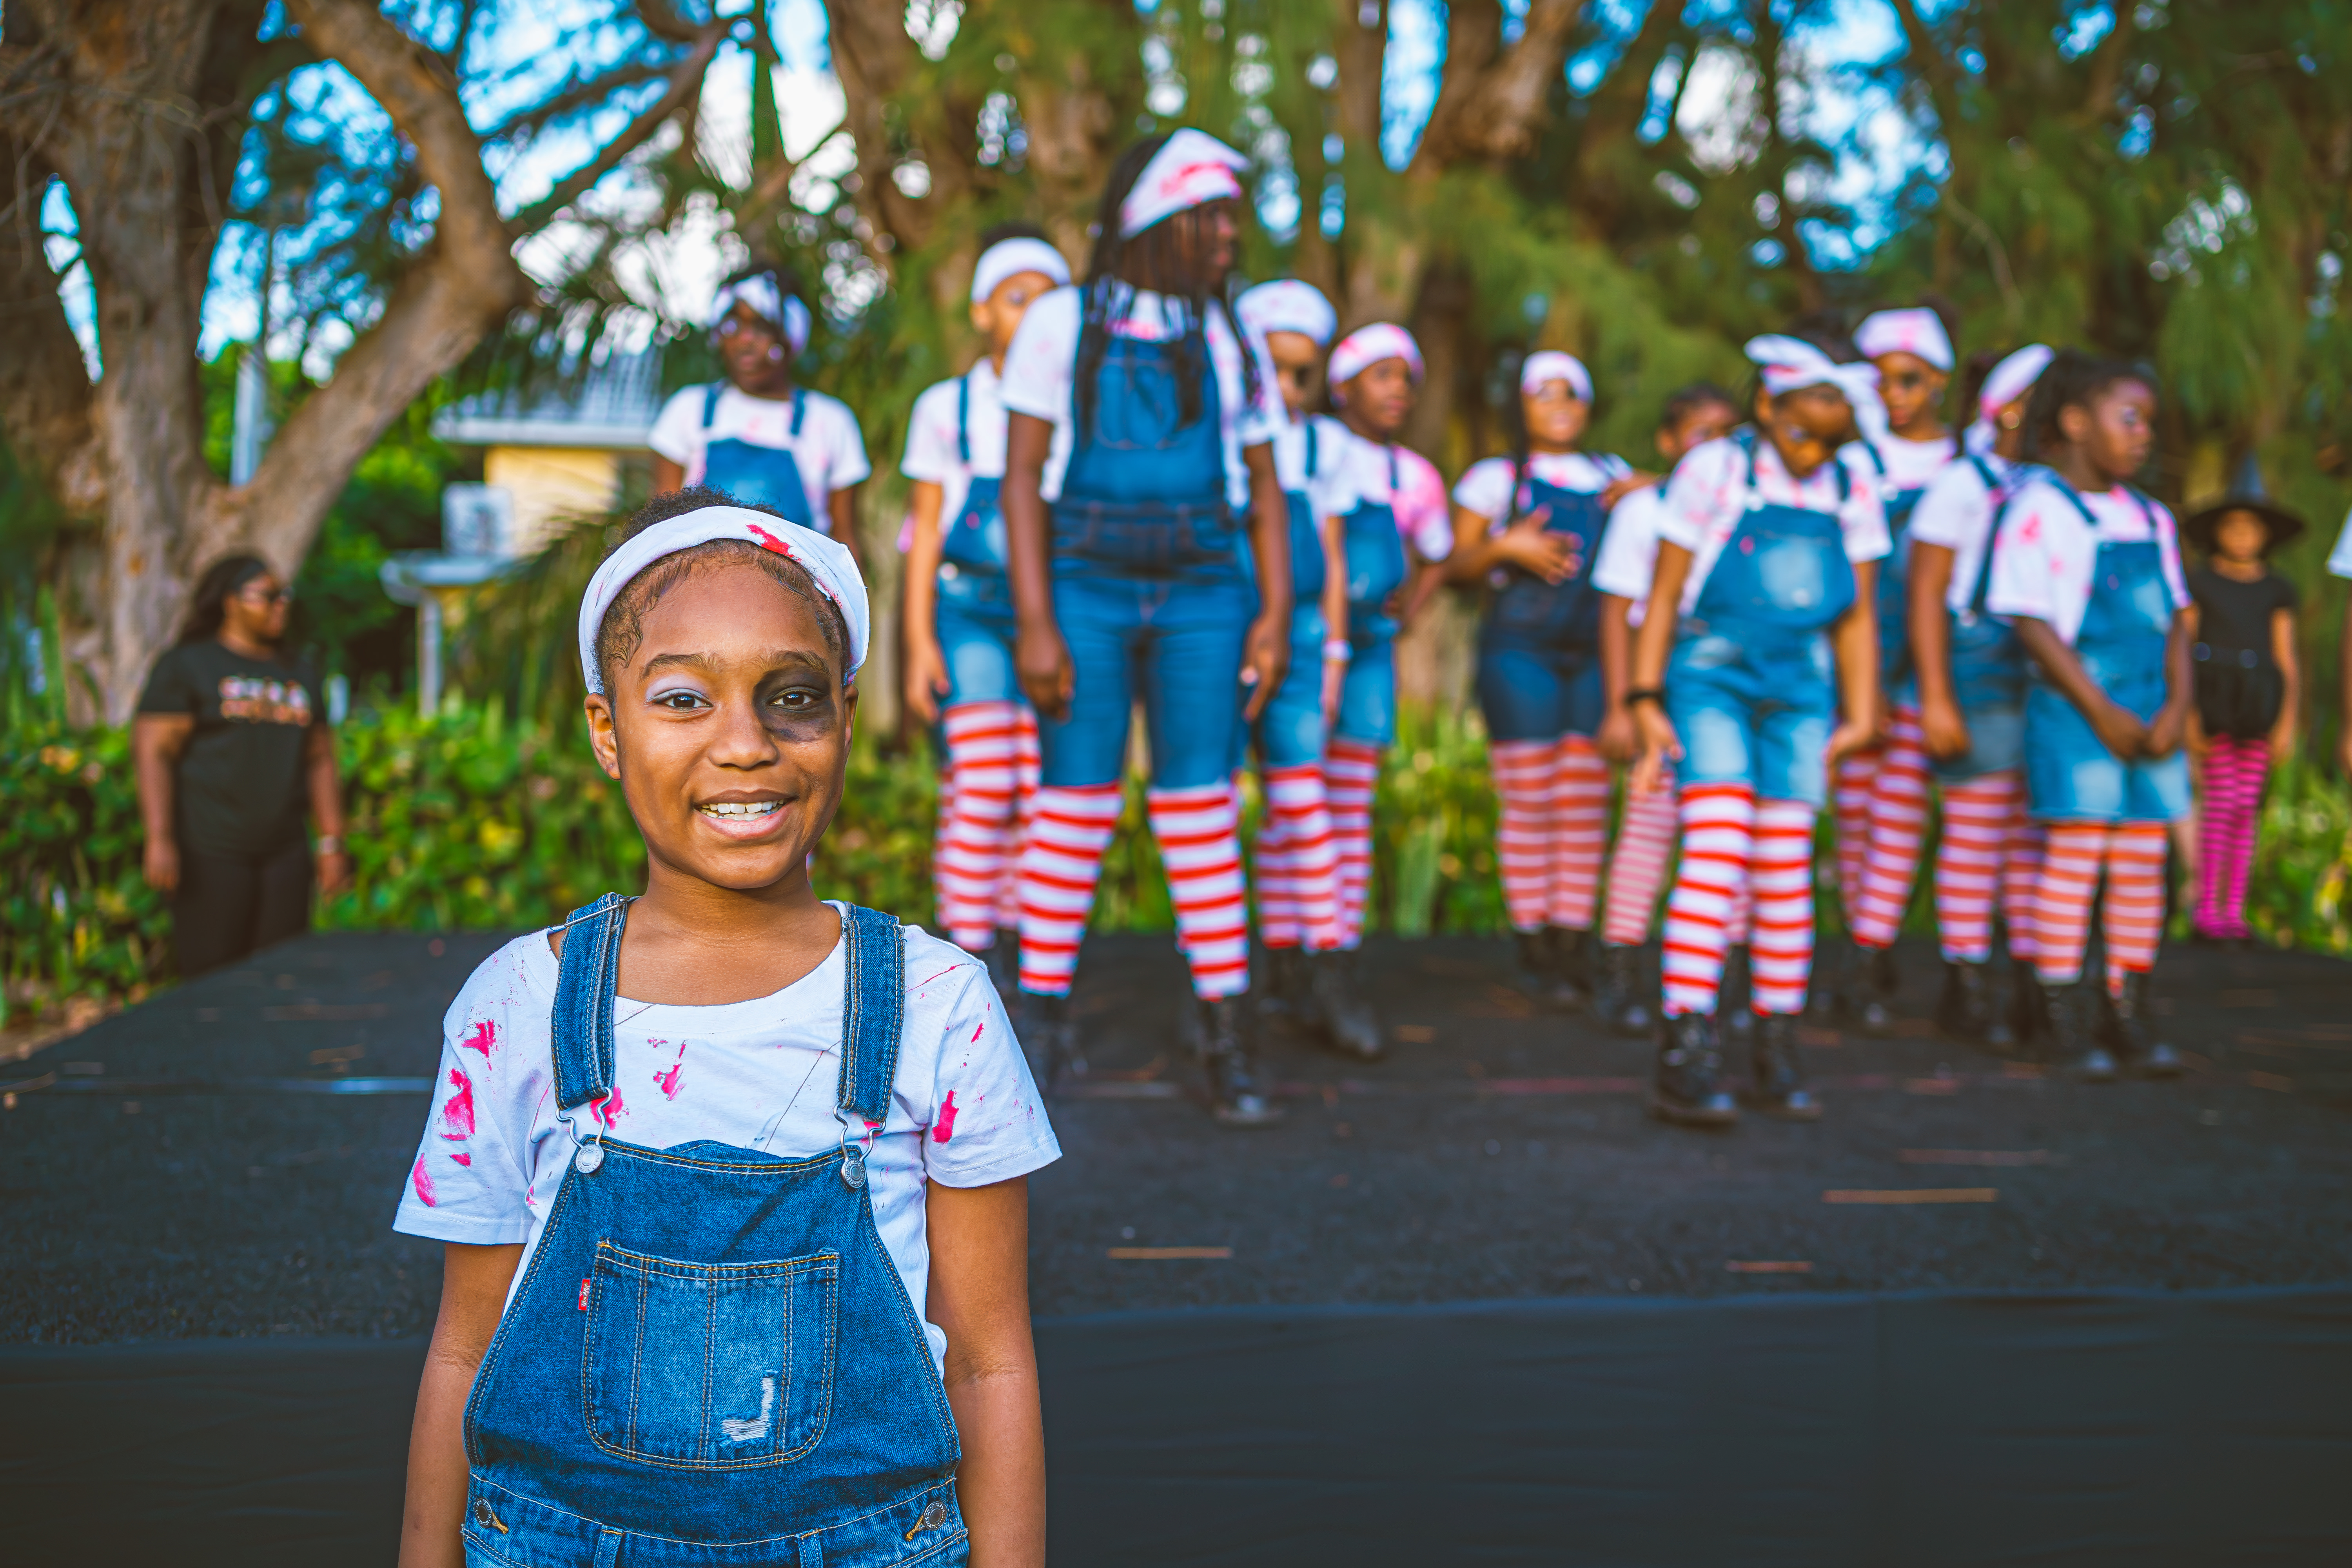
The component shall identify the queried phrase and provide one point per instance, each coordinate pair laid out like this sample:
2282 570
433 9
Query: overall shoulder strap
1312 449
1394 483
710 402
1877 457
588 974
1984 472
874 1011
1845 474
963 419
800 410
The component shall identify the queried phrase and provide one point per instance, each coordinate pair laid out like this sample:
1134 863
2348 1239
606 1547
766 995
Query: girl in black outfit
2248 688
233 751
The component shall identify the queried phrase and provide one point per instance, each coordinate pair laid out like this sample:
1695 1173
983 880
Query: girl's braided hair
2075 379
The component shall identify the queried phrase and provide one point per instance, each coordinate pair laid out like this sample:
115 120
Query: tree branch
1494 112
579 95
1615 117
685 86
2108 68
1934 68
45 389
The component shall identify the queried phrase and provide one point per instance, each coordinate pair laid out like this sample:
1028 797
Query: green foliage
2297 895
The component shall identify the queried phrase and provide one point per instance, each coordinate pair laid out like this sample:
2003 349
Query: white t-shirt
931 451
759 1075
1486 486
2339 560
1957 514
1910 465
1040 370
1417 497
1326 488
829 451
1627 562
1707 495
2043 559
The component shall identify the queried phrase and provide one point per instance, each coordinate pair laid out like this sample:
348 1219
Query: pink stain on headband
768 541
458 1114
945 1130
422 1182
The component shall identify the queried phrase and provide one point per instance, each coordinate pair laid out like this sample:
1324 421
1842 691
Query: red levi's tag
584 1295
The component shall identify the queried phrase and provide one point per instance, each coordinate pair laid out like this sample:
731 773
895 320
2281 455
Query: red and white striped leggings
1734 844
1990 853
1297 865
2131 853
1351 777
1555 823
985 797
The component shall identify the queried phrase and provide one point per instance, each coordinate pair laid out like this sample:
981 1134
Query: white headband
827 563
767 301
1367 346
1550 364
1790 364
2010 380
1010 258
1192 169
1287 305
1916 331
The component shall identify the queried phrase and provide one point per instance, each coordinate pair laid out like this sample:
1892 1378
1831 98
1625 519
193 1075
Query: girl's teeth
741 808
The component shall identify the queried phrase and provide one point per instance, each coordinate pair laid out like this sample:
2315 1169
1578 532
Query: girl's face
998 317
728 728
2115 429
751 351
1298 366
1698 426
257 611
1207 238
1912 389
1380 396
2239 536
1806 425
1556 416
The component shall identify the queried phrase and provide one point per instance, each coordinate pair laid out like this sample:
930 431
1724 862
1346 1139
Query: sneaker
1687 1089
1779 1071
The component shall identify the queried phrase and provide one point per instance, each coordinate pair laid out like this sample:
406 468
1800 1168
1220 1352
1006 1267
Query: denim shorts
976 627
1174 642
1754 712
2071 776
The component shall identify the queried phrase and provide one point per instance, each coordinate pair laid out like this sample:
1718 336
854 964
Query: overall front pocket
709 1366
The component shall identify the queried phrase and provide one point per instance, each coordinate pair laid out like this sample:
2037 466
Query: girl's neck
681 904
1364 428
2237 570
2074 466
1806 471
1922 431
244 646
776 388
1550 448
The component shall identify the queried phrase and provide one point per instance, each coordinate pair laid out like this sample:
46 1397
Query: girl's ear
1765 403
2074 423
604 734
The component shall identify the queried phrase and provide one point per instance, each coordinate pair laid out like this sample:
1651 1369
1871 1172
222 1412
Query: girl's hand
2283 740
2164 736
1265 658
2120 730
1043 661
334 868
1335 683
1618 488
1946 731
1535 549
1852 735
1658 742
161 864
927 677
1620 739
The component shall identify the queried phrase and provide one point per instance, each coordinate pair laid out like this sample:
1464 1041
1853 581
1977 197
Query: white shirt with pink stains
761 1075
2043 557
1707 496
1418 495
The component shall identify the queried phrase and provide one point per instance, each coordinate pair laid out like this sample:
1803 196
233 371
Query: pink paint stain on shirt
484 1039
463 1159
667 1082
945 1128
422 1180
608 1108
458 1114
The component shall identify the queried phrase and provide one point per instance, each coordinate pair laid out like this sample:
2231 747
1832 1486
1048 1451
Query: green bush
80 919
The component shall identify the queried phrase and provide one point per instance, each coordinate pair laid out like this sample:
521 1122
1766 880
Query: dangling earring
2011 419
775 351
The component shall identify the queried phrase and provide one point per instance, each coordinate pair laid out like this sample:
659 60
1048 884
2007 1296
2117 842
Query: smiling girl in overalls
757 435
1139 446
1396 530
959 609
1759 634
1970 674
1882 793
730 1178
1528 526
2088 571
1296 867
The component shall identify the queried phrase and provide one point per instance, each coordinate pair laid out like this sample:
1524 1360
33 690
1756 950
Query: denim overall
1750 686
2070 775
1147 586
711 1362
1540 649
758 476
974 608
1290 727
1893 600
1375 569
1988 666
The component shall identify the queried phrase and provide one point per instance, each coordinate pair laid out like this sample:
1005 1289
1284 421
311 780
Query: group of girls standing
1823 594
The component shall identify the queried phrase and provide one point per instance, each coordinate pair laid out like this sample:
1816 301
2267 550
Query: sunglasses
268 595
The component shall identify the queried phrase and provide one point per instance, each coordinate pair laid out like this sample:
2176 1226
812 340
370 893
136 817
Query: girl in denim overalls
729 1177
1970 674
1139 445
1528 526
1759 635
959 609
2087 569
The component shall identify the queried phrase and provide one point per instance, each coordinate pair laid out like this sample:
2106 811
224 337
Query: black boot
1003 959
1622 1000
2029 1013
1965 1011
1533 972
1349 1025
1779 1071
1688 1086
1871 994
1050 1040
1571 964
1825 998
2141 1048
1221 1036
1280 985
2074 1032
1734 1007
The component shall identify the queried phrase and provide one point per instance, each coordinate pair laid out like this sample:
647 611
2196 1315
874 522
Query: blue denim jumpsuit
1987 668
2070 775
758 476
711 1360
1750 686
1375 569
974 617
1540 649
1893 599
1148 586
1291 726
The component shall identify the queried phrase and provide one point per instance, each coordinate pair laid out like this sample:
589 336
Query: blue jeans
1755 707
1368 699
1533 690
1176 640
975 625
1290 727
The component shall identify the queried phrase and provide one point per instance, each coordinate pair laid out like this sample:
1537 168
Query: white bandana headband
1192 169
767 301
1789 364
827 563
1916 331
1287 305
1010 258
1550 364
2010 380
1367 346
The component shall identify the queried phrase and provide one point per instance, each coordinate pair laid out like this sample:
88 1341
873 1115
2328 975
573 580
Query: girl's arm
1620 738
1039 654
156 742
667 476
2171 721
2282 734
474 1281
1853 641
979 1296
1931 650
927 667
841 508
1658 739
326 788
1335 610
1418 588
1527 544
1266 654
2118 729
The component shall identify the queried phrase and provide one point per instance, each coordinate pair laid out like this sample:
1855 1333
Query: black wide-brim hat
2248 493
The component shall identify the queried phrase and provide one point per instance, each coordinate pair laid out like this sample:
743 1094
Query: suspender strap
873 1010
586 980
1311 462
963 419
800 407
710 404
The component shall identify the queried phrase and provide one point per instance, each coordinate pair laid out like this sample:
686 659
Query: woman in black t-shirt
2248 691
234 752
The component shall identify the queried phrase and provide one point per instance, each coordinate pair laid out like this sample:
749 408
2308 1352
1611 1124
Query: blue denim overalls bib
1376 565
975 540
712 1360
1988 665
2070 775
1568 613
757 476
1893 599
1290 727
974 617
1144 492
1749 685
1538 673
